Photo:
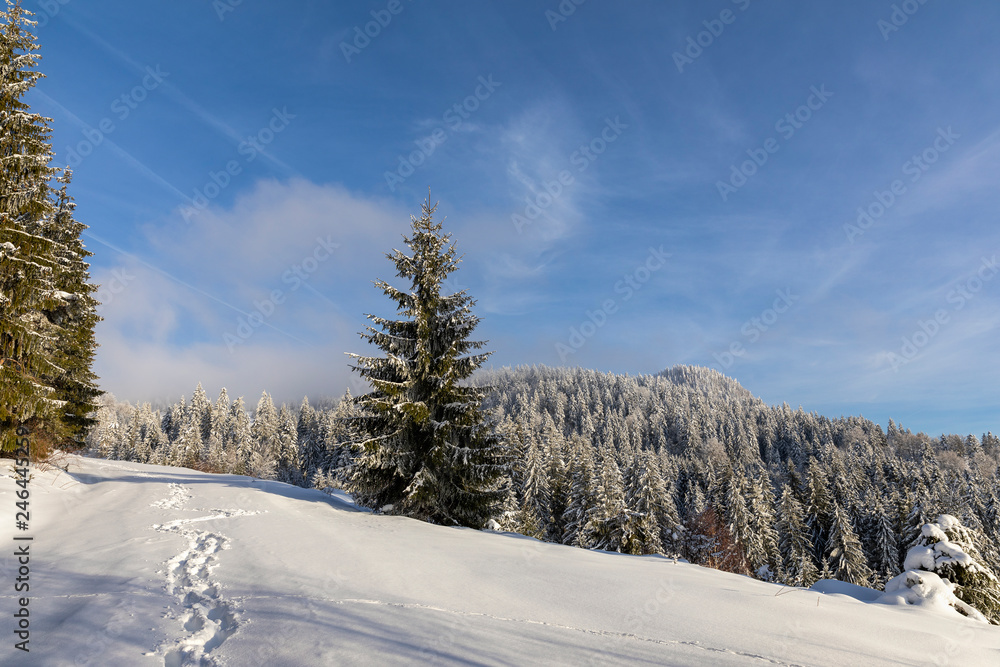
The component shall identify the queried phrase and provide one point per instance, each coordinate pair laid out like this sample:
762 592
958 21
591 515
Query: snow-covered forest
684 463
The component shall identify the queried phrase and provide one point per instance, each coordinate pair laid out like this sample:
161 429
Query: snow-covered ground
136 564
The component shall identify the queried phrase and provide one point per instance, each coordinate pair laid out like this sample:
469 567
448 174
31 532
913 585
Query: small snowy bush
926 589
945 568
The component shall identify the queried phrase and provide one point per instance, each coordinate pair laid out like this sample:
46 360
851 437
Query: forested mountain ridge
685 410
685 462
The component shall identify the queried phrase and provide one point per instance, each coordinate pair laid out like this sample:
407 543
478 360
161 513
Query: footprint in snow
207 617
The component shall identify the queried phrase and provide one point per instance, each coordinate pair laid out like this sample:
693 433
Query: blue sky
634 185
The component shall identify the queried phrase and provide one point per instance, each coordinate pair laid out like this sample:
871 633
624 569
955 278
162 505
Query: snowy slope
142 565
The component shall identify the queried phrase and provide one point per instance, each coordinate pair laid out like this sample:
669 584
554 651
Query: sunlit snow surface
142 565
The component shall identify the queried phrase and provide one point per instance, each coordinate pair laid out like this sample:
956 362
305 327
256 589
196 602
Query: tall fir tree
288 469
265 428
430 451
610 524
764 554
312 453
556 447
819 505
220 415
187 449
847 558
201 407
28 263
338 432
731 505
885 542
646 494
238 438
796 547
536 493
581 494
668 516
72 319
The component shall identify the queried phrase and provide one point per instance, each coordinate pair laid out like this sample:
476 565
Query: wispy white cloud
212 313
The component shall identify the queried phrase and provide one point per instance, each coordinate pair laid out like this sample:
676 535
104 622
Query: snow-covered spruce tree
885 539
510 518
72 318
527 491
238 438
201 412
220 416
536 494
556 447
265 428
288 468
951 551
27 259
796 547
187 449
582 484
764 554
429 449
668 517
731 505
312 453
646 494
847 558
611 526
337 432
819 502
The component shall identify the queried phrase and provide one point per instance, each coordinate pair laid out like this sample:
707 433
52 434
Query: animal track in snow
207 617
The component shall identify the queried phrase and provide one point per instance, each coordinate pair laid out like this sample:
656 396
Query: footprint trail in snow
207 617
